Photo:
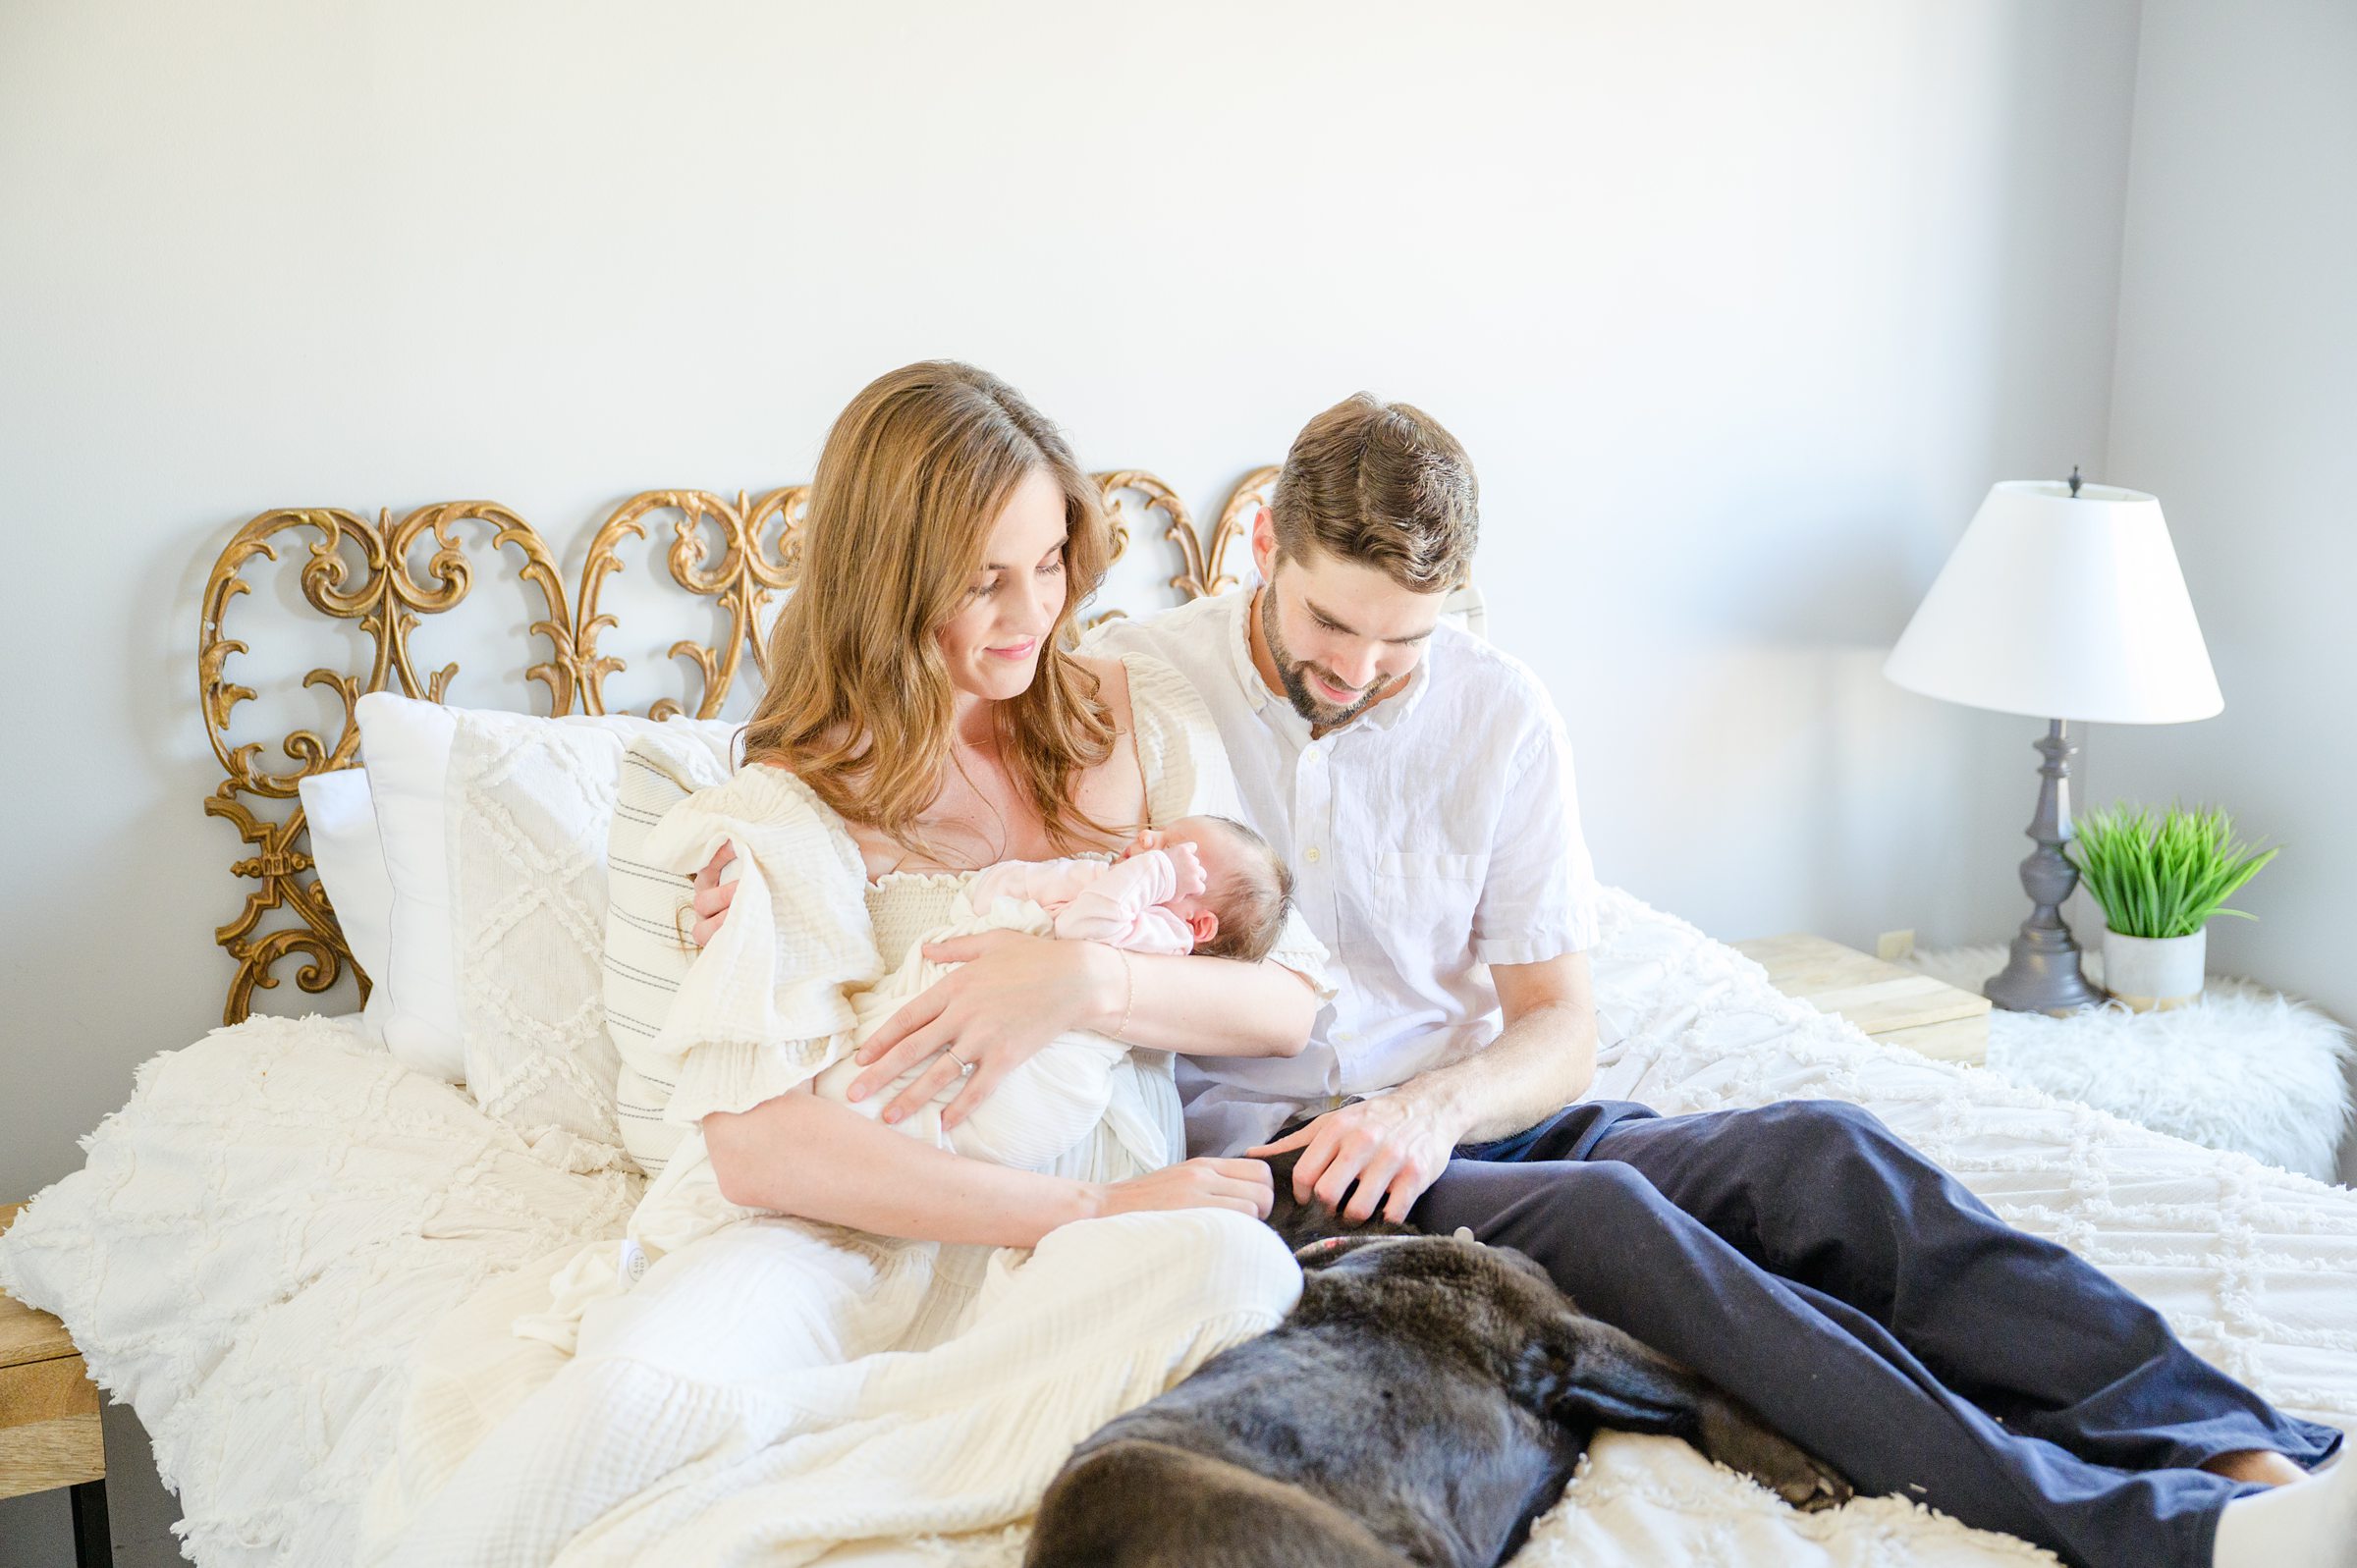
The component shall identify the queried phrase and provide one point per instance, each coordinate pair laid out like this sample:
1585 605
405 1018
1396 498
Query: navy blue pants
1811 1263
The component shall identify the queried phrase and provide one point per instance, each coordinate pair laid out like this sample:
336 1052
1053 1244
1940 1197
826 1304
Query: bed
263 1238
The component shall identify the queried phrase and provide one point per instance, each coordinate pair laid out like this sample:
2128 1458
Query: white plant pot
2153 974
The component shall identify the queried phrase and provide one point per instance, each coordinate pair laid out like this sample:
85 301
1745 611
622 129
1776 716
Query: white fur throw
2240 1067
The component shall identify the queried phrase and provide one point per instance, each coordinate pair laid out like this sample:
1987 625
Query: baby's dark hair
1251 903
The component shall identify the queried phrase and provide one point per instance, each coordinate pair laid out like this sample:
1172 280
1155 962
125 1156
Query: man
1419 785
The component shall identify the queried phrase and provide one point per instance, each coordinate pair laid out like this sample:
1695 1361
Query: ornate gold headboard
738 554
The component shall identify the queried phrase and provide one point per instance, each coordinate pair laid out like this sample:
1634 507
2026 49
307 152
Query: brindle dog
1423 1403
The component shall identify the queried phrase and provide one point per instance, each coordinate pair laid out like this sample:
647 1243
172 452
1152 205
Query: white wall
2232 401
1740 309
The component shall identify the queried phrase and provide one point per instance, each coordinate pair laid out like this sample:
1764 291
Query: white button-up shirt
1433 837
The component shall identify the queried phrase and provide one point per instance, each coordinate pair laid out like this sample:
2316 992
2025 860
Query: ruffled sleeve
764 1007
1187 775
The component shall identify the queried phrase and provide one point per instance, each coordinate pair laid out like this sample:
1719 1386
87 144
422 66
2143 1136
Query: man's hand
1392 1146
1014 994
712 897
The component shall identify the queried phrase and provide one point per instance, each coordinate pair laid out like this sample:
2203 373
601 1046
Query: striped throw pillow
648 916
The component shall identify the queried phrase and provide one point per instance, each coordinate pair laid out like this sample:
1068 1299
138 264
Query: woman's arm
1204 1006
1014 993
800 1154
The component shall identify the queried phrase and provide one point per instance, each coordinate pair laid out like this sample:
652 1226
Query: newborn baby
1203 884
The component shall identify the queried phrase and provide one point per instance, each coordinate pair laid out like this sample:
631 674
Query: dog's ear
1589 1375
1544 1365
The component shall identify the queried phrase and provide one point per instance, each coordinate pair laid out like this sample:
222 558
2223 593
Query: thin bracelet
1129 992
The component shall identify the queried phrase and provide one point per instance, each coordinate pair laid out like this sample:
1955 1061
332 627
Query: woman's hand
1013 994
1241 1185
712 897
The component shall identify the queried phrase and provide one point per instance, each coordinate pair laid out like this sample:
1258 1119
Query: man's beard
1321 714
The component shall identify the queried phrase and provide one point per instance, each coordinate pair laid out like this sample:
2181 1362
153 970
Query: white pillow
341 813
406 745
494 829
529 808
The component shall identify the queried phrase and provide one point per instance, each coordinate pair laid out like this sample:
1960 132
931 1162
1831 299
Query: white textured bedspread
263 1237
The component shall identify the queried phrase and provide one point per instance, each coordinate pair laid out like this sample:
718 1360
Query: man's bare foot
2262 1465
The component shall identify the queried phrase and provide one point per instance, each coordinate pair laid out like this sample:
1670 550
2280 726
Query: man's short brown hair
1384 485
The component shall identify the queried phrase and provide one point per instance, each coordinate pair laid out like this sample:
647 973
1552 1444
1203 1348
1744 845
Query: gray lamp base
2043 974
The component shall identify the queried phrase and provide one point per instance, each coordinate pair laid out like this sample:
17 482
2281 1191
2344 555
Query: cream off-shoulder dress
746 1386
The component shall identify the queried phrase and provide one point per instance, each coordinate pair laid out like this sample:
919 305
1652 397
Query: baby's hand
1188 863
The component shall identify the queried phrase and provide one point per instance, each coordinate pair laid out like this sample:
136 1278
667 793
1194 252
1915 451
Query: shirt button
1310 855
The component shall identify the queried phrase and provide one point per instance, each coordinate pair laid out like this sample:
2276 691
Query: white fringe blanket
263 1237
2241 1067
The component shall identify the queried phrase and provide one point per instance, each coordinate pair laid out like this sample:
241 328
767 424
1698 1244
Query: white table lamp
2064 602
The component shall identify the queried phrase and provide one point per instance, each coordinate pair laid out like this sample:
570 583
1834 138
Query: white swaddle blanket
1042 1109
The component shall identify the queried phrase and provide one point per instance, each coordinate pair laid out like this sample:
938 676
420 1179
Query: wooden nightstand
49 1434
1896 1005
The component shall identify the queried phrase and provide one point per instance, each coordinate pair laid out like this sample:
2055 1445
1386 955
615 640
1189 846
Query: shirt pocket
1425 902
1417 865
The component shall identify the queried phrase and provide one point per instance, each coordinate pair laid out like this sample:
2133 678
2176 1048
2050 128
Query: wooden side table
1898 1007
50 1434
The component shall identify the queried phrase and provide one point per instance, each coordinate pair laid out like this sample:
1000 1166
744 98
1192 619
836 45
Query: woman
846 1345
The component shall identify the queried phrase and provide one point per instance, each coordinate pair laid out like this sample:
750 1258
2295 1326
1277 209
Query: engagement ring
965 1068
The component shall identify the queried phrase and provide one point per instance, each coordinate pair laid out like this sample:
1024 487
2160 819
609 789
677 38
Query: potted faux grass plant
2159 878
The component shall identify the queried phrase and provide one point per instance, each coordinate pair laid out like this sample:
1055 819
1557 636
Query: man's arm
800 1155
1395 1146
1544 1059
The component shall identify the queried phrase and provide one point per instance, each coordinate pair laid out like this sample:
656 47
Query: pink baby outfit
1123 904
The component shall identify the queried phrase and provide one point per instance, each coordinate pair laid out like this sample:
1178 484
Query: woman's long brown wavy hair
859 702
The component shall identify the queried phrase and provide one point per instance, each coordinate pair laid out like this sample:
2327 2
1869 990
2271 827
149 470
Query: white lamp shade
2062 608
